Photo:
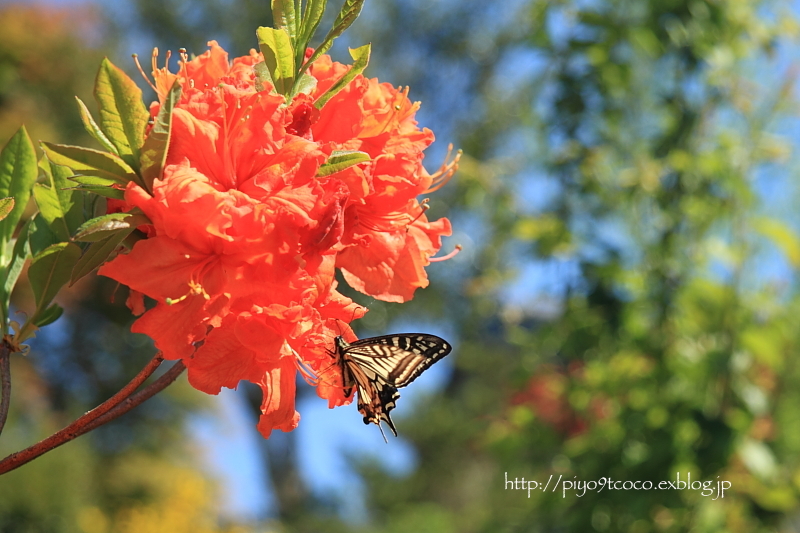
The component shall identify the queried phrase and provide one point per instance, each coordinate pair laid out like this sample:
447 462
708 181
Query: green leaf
71 200
123 116
312 16
276 46
100 186
93 129
90 162
263 77
102 227
549 232
49 271
340 160
305 85
18 173
6 205
154 151
49 315
20 254
765 344
360 56
60 207
97 253
11 272
50 210
781 236
94 181
283 16
348 14
41 235
106 192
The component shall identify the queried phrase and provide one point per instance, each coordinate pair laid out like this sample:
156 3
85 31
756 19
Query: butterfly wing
375 400
380 365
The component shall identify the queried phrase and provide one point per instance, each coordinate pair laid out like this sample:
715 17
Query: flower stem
5 383
140 397
117 405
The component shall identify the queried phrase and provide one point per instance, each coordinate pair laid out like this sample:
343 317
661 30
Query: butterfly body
378 366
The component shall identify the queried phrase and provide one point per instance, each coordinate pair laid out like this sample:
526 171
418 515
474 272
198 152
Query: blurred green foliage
639 153
669 350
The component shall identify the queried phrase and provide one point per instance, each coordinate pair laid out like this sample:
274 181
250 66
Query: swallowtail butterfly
378 366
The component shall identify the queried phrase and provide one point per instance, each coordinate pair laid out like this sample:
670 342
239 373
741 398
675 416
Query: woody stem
5 383
119 404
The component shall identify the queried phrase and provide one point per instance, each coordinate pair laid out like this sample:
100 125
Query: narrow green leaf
154 150
6 205
360 56
20 254
94 181
312 16
276 47
17 175
90 162
341 160
11 272
100 186
93 129
283 16
49 315
102 227
106 192
49 271
348 14
123 115
97 253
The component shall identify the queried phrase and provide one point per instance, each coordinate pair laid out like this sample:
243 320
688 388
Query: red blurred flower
245 238
547 395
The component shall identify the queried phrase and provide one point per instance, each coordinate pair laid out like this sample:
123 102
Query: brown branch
120 403
137 399
5 382
126 391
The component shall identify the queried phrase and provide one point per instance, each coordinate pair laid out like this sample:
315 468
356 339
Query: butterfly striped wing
378 366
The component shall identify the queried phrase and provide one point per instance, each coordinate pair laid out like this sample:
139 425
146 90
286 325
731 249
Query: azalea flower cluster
246 234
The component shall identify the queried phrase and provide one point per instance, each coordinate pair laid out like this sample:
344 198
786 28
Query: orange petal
277 406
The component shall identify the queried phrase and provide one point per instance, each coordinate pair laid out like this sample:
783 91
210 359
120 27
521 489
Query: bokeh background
625 307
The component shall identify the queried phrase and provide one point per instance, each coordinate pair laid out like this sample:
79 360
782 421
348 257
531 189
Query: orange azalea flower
389 238
245 238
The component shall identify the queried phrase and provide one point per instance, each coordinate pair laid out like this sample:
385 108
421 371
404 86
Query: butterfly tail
382 433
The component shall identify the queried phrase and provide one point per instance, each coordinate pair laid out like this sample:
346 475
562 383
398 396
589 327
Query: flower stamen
184 60
384 223
440 178
424 206
451 255
141 70
195 289
308 374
